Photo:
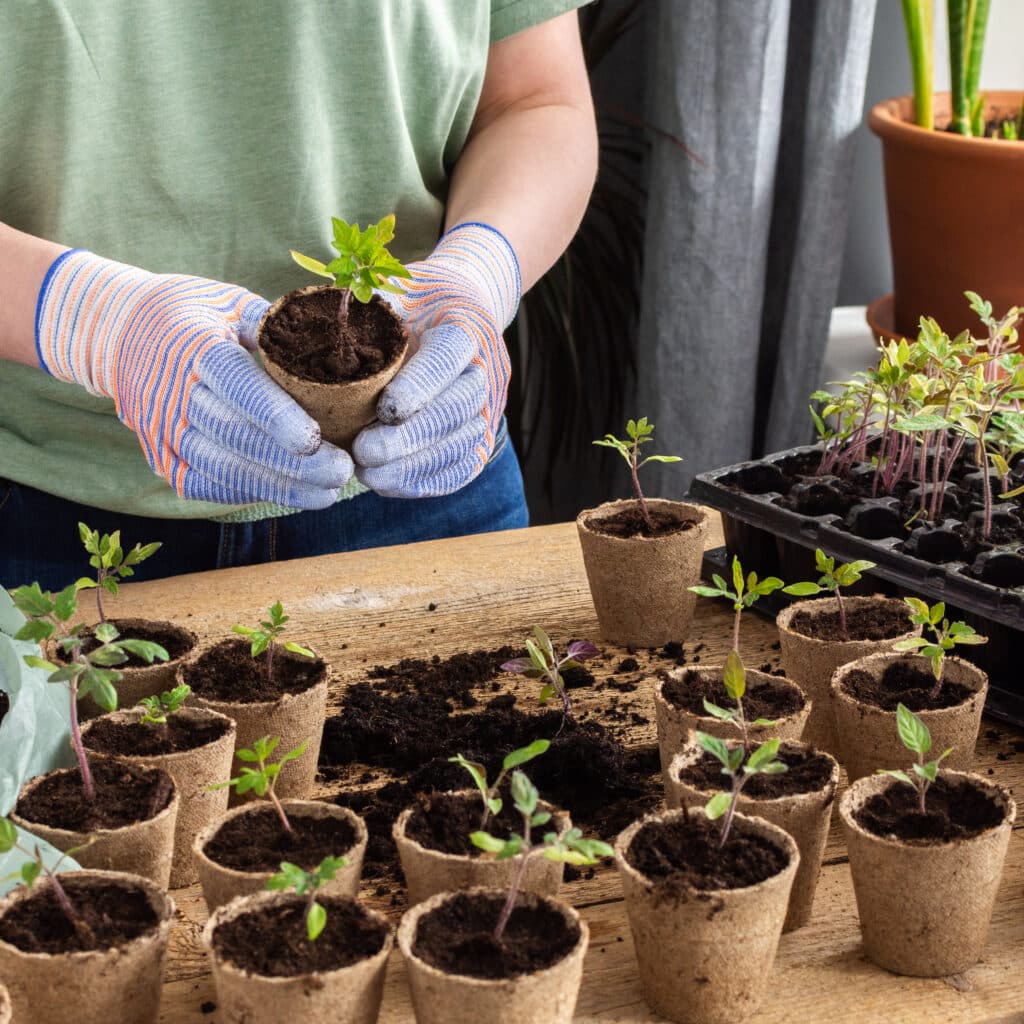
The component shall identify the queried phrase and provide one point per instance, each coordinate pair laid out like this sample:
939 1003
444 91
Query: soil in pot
667 519
444 822
133 739
882 620
769 699
807 772
906 681
173 639
227 672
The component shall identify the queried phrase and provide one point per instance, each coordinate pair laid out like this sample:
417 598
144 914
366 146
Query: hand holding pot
168 349
439 417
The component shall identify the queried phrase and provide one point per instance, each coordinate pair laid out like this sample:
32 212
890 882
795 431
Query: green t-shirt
209 137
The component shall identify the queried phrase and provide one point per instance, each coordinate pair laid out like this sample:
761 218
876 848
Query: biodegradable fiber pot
867 738
5 1006
705 957
342 409
194 772
541 997
639 584
121 984
345 995
222 884
805 816
811 663
924 908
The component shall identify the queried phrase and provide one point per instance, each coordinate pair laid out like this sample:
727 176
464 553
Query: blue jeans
39 531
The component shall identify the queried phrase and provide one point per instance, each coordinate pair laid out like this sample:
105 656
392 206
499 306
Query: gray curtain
745 232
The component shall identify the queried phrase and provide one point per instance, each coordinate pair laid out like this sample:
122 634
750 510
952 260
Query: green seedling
110 561
265 638
569 847
85 674
490 794
734 678
917 739
262 779
833 578
307 883
156 708
945 636
762 761
542 663
639 432
744 594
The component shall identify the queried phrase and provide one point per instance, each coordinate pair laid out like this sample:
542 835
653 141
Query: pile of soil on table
629 522
229 672
908 681
863 622
134 739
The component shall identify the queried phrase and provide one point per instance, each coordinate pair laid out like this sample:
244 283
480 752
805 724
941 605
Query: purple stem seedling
265 639
833 578
745 593
110 561
490 794
542 663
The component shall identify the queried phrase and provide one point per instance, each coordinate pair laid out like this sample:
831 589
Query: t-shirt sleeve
511 16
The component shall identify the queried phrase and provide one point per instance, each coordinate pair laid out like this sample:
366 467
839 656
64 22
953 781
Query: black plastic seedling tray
778 541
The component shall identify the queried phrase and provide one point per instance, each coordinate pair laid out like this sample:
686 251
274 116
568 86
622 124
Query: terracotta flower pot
346 995
639 584
804 816
941 248
194 772
222 884
121 984
541 997
924 908
705 958
866 736
811 663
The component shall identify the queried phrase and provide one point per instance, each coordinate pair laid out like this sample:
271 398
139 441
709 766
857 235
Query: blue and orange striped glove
440 415
168 349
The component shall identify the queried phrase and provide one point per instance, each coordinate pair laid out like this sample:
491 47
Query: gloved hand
168 350
439 415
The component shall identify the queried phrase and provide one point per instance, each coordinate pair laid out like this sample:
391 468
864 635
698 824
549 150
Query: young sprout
491 794
744 594
84 674
918 740
262 779
158 707
734 676
946 636
543 664
761 762
569 847
307 883
265 638
640 432
109 560
832 578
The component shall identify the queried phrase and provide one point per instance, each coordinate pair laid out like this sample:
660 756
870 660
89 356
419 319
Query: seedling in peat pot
833 578
265 639
918 740
84 673
945 635
155 709
262 779
640 432
744 594
307 883
109 560
543 664
734 678
490 794
569 847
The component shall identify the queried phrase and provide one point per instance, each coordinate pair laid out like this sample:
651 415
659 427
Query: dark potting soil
272 941
457 937
629 522
682 855
863 622
115 914
908 681
954 809
808 772
773 699
133 739
125 794
257 841
228 672
306 337
175 642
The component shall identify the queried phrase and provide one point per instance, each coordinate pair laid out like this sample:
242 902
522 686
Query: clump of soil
771 699
907 681
134 739
175 641
629 522
229 672
454 677
807 772
863 622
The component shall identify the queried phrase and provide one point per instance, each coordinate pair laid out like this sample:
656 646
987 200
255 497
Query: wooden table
371 607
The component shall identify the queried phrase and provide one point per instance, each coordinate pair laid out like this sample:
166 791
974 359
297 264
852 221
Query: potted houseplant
947 692
238 854
332 356
926 853
640 554
195 746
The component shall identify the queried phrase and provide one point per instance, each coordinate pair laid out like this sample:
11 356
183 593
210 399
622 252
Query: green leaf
244 630
724 714
524 754
36 662
298 649
802 589
313 266
927 771
734 676
316 921
31 601
486 842
763 723
540 818
100 685
546 693
244 754
896 774
30 871
766 752
737 576
260 642
714 746
66 603
913 732
145 649
717 805
708 591
8 835
105 633
86 583
524 794
35 631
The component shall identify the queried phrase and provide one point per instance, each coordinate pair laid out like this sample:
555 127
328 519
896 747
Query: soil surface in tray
176 642
956 809
113 914
863 622
228 672
908 681
682 855
306 338
125 794
629 522
457 938
257 841
272 941
771 700
807 772
133 739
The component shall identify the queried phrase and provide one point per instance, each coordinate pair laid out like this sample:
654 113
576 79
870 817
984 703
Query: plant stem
99 600
76 740
636 487
737 785
934 694
736 627
517 882
270 662
346 299
842 615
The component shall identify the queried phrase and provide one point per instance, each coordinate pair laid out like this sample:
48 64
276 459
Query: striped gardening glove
439 416
168 350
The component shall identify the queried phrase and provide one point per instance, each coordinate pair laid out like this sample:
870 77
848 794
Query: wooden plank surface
374 607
